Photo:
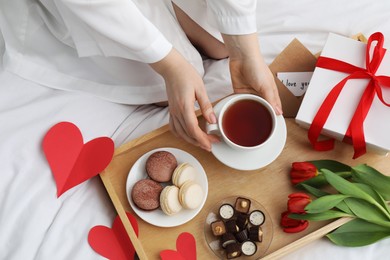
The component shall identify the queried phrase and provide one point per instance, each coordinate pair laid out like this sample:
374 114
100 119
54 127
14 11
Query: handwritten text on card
296 82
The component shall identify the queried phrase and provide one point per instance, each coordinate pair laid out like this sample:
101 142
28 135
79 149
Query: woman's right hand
248 71
185 86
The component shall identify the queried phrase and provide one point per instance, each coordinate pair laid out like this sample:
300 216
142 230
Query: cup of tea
245 122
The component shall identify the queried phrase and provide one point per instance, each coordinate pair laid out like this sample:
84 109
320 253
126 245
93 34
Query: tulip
292 225
297 202
302 171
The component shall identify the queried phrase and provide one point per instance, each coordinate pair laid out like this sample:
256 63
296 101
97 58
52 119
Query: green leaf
358 232
374 194
330 214
347 188
325 203
320 179
317 181
331 165
365 210
314 191
319 193
370 176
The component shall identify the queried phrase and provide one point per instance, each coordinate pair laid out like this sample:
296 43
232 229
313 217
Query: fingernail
279 110
205 148
213 118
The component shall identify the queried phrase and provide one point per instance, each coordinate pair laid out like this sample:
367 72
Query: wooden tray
270 186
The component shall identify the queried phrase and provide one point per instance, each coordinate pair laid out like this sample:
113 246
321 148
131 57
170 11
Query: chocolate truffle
218 228
227 238
146 194
256 218
242 221
233 250
226 211
248 248
256 233
242 205
242 235
160 166
231 226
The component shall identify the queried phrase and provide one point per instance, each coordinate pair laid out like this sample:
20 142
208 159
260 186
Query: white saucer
250 160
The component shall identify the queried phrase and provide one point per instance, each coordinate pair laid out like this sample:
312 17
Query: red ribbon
355 129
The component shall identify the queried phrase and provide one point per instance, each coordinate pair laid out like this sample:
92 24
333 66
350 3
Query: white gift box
377 123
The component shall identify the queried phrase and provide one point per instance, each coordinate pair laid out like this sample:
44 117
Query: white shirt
103 47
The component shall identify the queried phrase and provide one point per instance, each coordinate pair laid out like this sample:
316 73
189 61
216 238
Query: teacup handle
213 129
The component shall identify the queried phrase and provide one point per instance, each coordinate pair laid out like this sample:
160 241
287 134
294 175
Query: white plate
157 217
250 160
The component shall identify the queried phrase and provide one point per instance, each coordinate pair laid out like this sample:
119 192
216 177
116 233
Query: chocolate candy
256 234
242 221
231 226
256 218
226 211
227 238
218 228
242 235
233 250
248 248
242 205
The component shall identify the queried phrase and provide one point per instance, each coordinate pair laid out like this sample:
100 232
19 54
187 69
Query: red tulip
297 202
302 171
292 225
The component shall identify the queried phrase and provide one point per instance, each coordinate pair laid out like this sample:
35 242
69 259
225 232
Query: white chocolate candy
248 248
226 211
256 218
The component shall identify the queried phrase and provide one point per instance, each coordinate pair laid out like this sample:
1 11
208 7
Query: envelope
294 58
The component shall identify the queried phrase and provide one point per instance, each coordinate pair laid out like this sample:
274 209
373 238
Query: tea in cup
245 122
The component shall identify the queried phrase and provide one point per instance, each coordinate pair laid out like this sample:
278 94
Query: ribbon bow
355 129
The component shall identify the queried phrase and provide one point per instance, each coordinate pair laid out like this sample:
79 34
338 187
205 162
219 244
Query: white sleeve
112 28
235 17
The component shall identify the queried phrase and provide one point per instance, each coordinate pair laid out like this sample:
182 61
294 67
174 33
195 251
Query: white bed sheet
34 224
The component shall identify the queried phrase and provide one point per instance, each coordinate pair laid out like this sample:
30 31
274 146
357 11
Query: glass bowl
215 241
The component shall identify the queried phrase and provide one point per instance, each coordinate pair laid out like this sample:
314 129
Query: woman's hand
248 71
185 86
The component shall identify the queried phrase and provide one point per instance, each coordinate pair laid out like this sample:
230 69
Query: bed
35 224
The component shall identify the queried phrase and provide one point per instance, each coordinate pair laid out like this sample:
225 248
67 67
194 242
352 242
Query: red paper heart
171 255
113 243
185 246
71 161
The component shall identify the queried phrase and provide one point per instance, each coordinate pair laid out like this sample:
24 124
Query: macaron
169 200
190 195
183 172
160 166
146 194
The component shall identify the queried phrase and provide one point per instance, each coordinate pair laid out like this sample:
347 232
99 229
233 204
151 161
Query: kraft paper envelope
294 58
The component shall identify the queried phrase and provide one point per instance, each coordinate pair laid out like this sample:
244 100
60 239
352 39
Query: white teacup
245 122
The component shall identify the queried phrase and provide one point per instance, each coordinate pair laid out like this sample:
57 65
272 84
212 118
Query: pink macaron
160 166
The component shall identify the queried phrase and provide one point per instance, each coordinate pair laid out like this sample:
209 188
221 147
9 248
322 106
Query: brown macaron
160 166
146 194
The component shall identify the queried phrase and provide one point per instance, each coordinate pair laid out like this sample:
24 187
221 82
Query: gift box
348 96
